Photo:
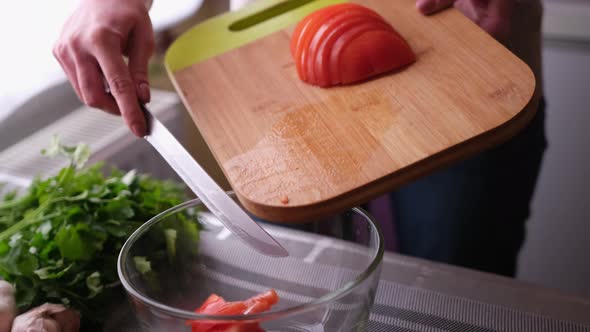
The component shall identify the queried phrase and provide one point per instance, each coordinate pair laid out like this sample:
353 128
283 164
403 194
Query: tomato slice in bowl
235 328
261 303
216 305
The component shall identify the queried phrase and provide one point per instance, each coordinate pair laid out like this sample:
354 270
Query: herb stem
26 222
14 202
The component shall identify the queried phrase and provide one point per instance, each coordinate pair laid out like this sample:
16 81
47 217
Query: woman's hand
91 49
493 16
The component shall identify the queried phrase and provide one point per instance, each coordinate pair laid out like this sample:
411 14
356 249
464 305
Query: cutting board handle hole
267 14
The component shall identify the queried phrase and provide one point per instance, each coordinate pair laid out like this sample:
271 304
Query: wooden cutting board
292 151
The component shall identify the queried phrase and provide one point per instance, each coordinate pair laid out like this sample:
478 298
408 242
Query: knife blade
233 217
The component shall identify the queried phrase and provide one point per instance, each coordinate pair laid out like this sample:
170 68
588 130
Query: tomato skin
361 57
270 297
344 44
261 303
298 32
356 64
327 62
307 35
309 25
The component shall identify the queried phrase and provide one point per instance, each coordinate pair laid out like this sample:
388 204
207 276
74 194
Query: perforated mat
402 302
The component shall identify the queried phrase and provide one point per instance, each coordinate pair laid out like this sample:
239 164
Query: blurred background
35 102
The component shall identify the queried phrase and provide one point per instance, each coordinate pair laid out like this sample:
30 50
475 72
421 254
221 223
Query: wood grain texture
293 152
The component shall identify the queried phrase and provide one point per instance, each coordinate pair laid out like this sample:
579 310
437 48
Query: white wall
557 250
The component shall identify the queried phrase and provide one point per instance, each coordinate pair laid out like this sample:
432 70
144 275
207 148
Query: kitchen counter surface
419 295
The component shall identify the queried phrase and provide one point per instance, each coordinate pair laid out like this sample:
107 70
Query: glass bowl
176 260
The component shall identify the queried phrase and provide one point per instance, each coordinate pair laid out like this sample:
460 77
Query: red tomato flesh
371 54
333 18
329 32
305 29
261 303
329 57
347 43
216 305
364 51
309 30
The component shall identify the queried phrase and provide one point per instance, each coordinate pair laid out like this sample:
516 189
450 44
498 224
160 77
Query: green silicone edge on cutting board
214 37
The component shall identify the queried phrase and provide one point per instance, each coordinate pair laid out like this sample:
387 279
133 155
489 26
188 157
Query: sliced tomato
323 59
308 29
216 305
212 299
341 21
372 53
261 303
304 29
270 296
249 327
334 63
296 37
346 43
225 308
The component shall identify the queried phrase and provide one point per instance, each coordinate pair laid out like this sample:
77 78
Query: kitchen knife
215 199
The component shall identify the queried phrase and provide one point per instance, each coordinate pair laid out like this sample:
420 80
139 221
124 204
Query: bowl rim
190 315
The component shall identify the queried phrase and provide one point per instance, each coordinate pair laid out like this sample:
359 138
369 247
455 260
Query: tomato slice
372 53
269 296
335 65
216 305
308 30
341 21
303 29
235 327
212 299
324 76
296 37
249 327
346 43
225 308
261 303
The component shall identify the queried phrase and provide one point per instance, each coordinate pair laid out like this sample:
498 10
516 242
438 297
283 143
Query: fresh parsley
60 240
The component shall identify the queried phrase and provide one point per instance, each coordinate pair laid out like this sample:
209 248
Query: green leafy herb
171 235
60 240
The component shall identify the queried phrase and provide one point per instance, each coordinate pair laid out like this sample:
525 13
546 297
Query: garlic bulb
7 306
47 318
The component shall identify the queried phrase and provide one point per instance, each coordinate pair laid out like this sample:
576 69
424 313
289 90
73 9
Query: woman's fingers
428 7
110 58
63 55
92 87
493 16
140 49
91 48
